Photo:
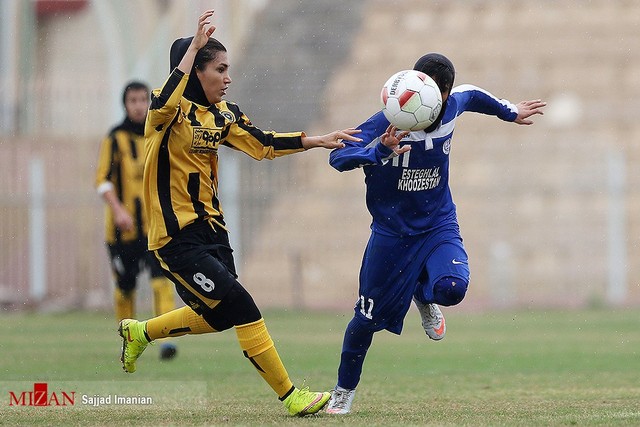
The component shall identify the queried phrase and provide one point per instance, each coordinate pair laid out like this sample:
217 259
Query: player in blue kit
415 250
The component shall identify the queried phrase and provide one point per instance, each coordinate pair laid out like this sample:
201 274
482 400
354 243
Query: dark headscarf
193 92
127 124
441 70
130 126
438 67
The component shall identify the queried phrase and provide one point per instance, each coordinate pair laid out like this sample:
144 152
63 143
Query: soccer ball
411 100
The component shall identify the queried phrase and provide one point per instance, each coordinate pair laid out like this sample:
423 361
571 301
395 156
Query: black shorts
199 261
129 259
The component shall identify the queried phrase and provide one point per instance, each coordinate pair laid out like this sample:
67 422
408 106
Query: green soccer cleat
133 343
303 402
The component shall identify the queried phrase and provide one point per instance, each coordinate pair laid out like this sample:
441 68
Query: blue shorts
394 267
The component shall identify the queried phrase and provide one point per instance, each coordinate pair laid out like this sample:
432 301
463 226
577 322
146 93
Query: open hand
201 37
391 139
527 109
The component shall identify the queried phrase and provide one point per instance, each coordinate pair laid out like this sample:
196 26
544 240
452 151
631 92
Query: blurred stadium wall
550 213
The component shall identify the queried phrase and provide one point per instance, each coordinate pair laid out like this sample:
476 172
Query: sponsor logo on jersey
205 140
419 179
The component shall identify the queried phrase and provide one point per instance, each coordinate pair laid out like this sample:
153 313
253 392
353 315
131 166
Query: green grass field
510 368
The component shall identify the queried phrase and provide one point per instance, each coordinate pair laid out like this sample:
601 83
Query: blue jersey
409 194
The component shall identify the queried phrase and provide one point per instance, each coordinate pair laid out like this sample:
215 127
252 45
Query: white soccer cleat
432 320
340 402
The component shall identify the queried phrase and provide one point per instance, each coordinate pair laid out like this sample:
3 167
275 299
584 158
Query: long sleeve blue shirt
409 194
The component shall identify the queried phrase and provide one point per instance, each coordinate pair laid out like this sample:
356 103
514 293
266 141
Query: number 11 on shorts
363 307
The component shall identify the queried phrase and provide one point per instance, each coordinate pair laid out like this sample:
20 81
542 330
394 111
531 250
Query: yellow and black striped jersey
120 166
181 156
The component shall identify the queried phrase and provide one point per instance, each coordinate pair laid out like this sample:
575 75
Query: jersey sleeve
477 100
259 144
165 101
106 160
369 151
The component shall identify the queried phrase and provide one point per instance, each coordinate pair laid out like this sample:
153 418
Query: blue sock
357 340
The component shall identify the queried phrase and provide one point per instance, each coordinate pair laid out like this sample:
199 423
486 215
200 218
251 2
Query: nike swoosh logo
310 405
456 262
440 330
129 335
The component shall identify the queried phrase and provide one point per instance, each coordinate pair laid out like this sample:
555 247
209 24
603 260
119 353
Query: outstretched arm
472 98
379 141
331 140
527 109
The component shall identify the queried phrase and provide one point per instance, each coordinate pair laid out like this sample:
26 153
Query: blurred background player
415 250
119 182
188 122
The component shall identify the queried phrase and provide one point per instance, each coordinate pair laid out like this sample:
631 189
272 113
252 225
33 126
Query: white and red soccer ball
411 100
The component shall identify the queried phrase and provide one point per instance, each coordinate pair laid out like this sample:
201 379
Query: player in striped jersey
415 250
119 182
188 122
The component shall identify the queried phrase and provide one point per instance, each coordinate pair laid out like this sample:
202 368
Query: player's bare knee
450 291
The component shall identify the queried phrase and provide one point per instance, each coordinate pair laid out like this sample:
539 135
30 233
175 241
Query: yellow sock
257 345
124 304
175 323
163 297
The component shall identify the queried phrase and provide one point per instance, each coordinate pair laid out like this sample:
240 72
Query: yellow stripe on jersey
181 156
121 163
